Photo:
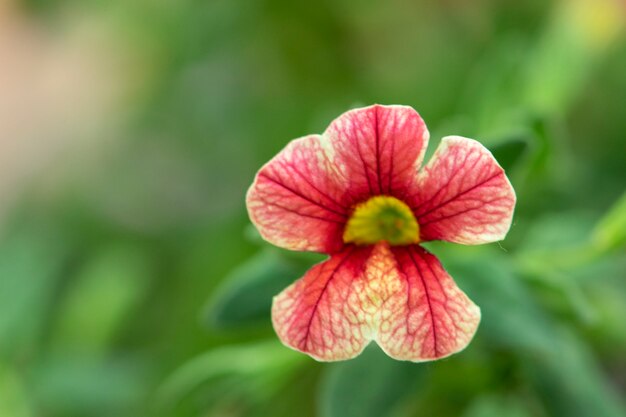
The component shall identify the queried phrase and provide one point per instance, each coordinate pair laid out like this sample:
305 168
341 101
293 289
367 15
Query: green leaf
571 382
607 297
510 316
559 364
101 298
498 406
543 156
372 385
563 60
257 369
15 400
70 384
510 152
553 232
557 244
31 261
246 294
610 232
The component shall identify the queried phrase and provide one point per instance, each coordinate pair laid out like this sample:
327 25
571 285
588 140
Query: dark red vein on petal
302 196
391 160
462 167
408 285
363 162
312 216
460 212
472 188
454 174
317 302
377 137
421 252
320 192
427 293
451 177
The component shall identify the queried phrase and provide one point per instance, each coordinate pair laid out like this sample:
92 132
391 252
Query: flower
357 193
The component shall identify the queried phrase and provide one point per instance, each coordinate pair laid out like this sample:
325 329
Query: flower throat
382 218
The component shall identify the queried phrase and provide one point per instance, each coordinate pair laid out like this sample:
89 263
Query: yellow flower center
382 218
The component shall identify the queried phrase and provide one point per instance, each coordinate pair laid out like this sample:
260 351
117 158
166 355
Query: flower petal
463 195
379 149
323 314
295 200
428 317
400 297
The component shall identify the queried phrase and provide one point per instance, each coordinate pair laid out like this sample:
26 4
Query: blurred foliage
134 285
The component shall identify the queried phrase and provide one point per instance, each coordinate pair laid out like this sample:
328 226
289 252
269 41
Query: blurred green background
131 283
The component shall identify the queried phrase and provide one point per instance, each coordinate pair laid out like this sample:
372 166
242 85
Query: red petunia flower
357 193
